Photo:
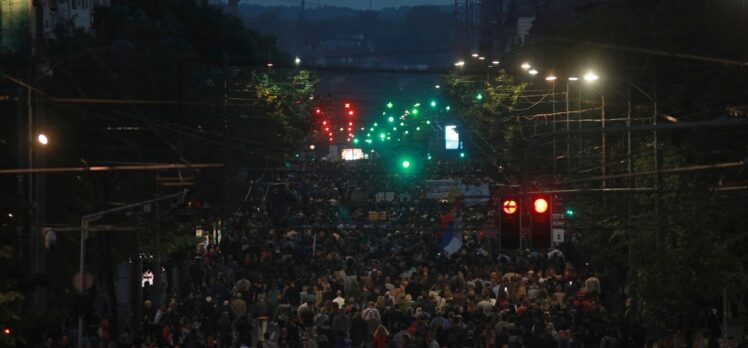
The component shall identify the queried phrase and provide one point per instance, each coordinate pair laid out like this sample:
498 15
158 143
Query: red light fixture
540 205
350 113
350 123
318 111
347 105
509 206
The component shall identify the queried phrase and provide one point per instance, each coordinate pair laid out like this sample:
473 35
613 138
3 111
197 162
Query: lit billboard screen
352 154
451 138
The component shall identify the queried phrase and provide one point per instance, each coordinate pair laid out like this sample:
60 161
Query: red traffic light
509 206
347 105
350 112
540 205
318 111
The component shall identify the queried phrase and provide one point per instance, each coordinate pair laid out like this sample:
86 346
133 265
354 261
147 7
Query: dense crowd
303 266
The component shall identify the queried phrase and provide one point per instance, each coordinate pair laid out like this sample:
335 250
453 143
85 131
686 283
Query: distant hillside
419 35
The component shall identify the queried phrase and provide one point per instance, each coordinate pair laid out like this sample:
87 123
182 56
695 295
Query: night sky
356 4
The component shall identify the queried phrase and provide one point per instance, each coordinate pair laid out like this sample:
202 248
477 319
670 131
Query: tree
485 108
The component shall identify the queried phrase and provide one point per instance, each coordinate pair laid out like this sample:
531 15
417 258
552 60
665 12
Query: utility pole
602 141
568 136
656 163
553 112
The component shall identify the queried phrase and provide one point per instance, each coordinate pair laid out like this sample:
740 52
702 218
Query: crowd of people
303 265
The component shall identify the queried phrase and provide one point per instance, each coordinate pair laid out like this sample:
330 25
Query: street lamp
550 78
460 63
532 72
573 78
475 55
42 139
591 76
297 61
312 147
495 62
526 66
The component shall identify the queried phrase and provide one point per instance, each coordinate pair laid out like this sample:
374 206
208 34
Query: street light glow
312 147
460 63
526 66
533 72
475 55
43 139
573 78
495 62
297 60
482 58
550 78
591 76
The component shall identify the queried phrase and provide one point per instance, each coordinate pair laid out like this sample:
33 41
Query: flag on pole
450 239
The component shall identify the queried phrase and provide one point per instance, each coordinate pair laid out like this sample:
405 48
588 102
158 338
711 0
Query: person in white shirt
339 300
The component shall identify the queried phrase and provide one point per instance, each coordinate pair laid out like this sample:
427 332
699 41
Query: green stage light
390 105
391 119
433 103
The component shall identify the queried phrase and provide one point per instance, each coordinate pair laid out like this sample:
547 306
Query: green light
355 141
406 132
433 103
428 122
394 128
389 138
479 96
368 141
418 128
448 108
402 124
375 124
406 164
462 155
368 134
428 157
569 212
414 112
381 135
390 105
384 113
371 129
417 105
391 119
